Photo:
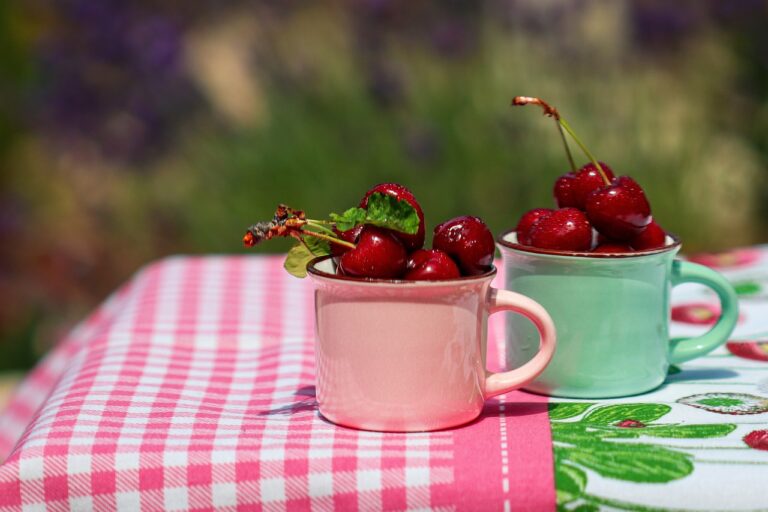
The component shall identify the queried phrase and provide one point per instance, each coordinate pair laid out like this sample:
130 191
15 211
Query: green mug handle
685 349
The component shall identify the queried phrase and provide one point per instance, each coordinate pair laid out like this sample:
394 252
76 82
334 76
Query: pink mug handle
503 300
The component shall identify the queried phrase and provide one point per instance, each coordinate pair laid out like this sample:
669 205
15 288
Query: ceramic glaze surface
410 356
612 317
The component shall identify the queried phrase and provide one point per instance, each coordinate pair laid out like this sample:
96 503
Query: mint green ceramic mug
612 317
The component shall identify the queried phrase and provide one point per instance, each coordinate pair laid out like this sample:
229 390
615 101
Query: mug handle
504 300
685 349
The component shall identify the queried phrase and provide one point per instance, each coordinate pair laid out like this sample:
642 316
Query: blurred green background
134 129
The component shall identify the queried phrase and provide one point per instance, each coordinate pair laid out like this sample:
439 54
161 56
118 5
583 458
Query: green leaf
574 433
384 211
746 288
632 462
570 482
721 401
564 410
388 212
612 414
587 507
317 246
687 431
349 219
297 260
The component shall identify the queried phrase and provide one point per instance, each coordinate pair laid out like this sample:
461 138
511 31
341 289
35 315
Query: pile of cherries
462 246
596 211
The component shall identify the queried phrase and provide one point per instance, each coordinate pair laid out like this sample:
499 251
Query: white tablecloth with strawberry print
700 441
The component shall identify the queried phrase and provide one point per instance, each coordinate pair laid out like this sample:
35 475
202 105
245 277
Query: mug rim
315 272
673 244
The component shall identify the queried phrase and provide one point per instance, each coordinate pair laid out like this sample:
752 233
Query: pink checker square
11 493
56 488
199 474
247 470
150 478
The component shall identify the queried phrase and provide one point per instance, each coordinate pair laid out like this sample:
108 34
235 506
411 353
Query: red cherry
566 229
430 265
652 238
527 221
411 242
349 235
619 211
468 241
379 254
614 247
572 189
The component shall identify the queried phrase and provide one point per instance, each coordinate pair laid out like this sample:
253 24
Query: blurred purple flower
112 74
660 23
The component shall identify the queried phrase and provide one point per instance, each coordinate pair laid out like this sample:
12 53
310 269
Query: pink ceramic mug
408 356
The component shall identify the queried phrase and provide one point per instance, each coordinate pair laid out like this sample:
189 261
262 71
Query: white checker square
224 495
126 461
416 476
175 458
272 489
128 501
320 484
34 507
273 454
81 504
176 498
78 464
369 480
31 468
320 453
222 456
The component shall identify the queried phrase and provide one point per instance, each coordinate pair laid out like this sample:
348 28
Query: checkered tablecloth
192 388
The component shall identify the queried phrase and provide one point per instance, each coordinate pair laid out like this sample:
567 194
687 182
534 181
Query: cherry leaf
384 211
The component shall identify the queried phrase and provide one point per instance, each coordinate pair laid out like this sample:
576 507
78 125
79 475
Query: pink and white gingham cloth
192 388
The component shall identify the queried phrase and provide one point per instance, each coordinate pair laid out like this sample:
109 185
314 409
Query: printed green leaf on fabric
565 410
574 433
702 431
635 462
612 414
721 402
689 431
384 211
570 482
747 288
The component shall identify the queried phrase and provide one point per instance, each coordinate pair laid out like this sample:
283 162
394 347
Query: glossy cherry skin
411 242
614 247
527 221
573 188
566 229
349 235
430 265
379 254
619 211
468 241
653 237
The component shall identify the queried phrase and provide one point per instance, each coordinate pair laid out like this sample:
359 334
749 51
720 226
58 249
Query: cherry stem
562 122
331 239
320 224
567 149
552 112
